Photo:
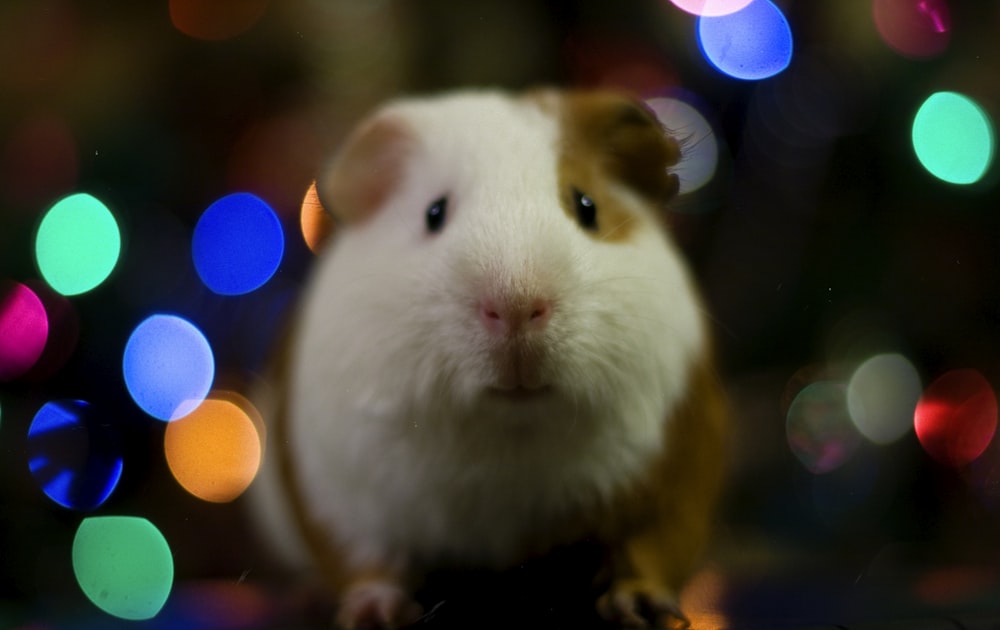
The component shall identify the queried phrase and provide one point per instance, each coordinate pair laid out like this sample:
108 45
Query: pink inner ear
366 170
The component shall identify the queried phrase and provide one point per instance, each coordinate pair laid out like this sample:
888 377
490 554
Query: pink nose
508 317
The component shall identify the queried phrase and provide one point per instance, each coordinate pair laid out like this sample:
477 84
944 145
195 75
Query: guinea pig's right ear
366 170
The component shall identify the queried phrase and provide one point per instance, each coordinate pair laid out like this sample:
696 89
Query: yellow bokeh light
702 599
315 220
215 451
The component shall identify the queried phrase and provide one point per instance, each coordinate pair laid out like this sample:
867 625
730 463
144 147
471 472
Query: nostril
488 309
540 311
504 317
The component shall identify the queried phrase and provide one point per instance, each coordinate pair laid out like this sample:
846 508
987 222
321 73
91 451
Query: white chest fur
389 490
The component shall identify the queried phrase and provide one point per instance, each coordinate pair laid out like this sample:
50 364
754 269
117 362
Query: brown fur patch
664 524
366 170
607 138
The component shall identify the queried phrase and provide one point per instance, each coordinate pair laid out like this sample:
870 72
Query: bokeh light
215 20
953 138
882 396
752 43
913 28
215 451
123 565
956 417
238 244
24 329
168 366
618 62
64 331
698 144
819 429
710 7
315 221
74 454
77 244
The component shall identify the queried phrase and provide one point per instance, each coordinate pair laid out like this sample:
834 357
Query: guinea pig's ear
366 170
630 142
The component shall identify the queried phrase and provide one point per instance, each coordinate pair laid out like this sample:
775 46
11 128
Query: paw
641 604
376 605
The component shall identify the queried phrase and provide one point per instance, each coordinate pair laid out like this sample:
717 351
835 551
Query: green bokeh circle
77 245
123 565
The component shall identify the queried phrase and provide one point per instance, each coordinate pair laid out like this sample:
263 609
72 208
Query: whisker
617 227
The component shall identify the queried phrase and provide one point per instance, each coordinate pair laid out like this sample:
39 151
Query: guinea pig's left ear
634 147
366 170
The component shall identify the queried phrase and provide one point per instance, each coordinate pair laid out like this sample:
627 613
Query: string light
77 244
238 244
74 454
24 329
953 138
753 43
123 565
168 366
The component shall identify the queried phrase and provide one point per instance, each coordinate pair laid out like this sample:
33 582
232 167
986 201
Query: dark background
819 220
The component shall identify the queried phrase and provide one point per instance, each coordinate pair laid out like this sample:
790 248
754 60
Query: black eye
586 210
436 213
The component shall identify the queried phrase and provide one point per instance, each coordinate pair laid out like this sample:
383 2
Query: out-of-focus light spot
215 20
699 149
123 565
38 161
24 328
914 28
77 244
819 428
214 452
74 454
753 43
702 600
956 417
949 587
953 138
168 366
881 397
710 8
238 244
42 45
316 222
619 63
64 332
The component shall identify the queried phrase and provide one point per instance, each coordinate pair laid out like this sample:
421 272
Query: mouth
519 392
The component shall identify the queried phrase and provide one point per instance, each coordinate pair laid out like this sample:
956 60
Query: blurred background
839 205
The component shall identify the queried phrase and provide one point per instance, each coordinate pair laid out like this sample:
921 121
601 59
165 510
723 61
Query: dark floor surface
760 594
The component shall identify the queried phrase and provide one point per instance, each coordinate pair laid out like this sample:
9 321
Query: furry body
518 379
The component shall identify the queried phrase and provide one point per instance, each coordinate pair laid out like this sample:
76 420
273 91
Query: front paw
376 605
638 603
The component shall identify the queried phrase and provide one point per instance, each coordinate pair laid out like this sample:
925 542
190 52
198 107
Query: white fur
405 454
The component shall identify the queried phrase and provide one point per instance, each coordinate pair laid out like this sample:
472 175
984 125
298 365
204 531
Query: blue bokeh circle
74 454
168 366
751 44
238 244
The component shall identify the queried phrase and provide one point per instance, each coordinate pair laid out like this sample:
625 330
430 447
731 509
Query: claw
376 605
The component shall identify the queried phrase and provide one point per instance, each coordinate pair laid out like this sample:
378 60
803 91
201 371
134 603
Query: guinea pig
500 352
